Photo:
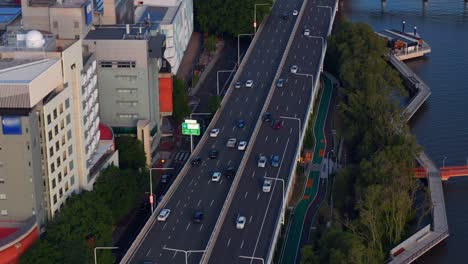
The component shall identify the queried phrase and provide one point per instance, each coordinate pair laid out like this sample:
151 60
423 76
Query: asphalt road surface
196 192
291 101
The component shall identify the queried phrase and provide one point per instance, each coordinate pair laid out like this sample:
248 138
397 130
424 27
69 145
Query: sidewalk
189 61
302 211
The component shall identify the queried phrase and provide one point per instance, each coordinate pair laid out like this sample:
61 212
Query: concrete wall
68 23
35 17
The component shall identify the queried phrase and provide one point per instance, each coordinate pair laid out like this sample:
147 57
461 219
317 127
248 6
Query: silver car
262 160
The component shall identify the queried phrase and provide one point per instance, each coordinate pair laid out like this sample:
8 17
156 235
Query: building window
50 135
126 64
65 171
127 103
66 187
49 119
2 196
68 119
76 24
55 24
55 198
60 193
106 64
127 90
70 150
72 180
4 212
67 103
69 135
55 114
64 156
62 124
127 116
57 146
51 151
2 180
61 108
52 167
56 130
54 183
58 162
71 165
59 175
63 140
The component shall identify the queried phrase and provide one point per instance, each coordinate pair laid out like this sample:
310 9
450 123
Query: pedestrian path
293 239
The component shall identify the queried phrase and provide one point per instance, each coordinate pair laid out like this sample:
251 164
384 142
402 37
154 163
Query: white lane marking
233 128
258 195
177 220
200 227
187 226
242 244
177 203
190 183
209 181
250 219
229 242
276 140
290 131
175 253
256 99
250 114
148 252
300 101
230 112
277 107
303 88
287 108
292 93
245 196
266 139
201 171
222 128
282 93
295 82
164 226
173 229
229 162
169 238
247 99
199 202
253 174
217 163
212 201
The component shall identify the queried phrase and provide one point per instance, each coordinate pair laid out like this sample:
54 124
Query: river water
441 125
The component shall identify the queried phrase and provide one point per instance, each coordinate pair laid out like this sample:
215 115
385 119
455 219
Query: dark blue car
241 123
275 161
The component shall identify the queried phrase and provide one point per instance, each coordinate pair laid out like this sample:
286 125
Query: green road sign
191 129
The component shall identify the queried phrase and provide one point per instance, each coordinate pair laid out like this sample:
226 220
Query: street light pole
238 47
191 137
321 38
295 118
217 79
253 258
443 162
283 207
307 75
186 252
151 185
255 16
95 256
329 7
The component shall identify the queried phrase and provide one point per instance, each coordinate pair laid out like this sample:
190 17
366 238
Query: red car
277 124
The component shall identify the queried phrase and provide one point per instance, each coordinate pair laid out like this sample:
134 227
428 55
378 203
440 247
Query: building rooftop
8 15
59 4
137 31
14 71
157 14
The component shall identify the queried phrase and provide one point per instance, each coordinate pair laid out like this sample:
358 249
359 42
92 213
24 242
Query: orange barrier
453 171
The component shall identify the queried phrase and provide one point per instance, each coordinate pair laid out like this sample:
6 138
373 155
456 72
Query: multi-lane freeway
196 192
289 103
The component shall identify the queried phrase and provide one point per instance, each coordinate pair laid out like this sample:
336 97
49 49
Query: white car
262 160
163 215
294 68
242 145
266 185
295 12
216 176
214 132
231 143
240 222
306 32
249 83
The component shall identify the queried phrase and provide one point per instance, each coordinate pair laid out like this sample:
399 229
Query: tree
180 99
308 256
214 103
210 43
131 153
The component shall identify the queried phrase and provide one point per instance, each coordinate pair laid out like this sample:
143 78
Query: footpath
316 182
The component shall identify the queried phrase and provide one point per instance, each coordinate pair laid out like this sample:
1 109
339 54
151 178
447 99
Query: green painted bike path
294 235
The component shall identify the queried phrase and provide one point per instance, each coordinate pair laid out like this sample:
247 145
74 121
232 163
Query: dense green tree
229 16
180 98
214 103
210 43
131 153
308 256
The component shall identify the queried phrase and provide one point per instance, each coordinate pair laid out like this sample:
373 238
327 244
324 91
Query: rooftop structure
8 15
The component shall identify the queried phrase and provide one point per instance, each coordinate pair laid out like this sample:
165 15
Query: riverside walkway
316 178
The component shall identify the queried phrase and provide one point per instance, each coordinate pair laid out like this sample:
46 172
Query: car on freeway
238 85
242 145
230 172
266 117
197 217
294 69
279 83
166 178
213 154
196 161
241 123
163 215
216 177
262 160
231 143
267 185
249 83
306 32
285 16
277 124
275 161
295 13
214 132
240 222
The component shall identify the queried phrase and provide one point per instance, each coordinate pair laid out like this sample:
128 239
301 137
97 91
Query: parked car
165 178
266 117
242 145
198 217
267 185
214 132
238 85
306 32
294 69
261 161
295 13
241 123
216 176
231 143
230 172
275 161
277 124
249 83
213 154
279 83
196 161
163 215
240 222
